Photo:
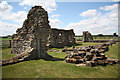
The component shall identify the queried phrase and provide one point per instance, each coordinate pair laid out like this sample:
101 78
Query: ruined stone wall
60 38
87 36
32 37
69 37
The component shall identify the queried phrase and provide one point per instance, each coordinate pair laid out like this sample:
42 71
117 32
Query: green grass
58 55
113 52
78 45
60 49
99 38
88 43
6 38
5 43
85 44
6 53
106 39
58 69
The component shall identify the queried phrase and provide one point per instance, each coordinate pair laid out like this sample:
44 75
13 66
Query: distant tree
114 34
4 37
100 35
8 35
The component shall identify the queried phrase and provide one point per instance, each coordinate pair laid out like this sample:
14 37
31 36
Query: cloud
7 14
18 17
49 5
106 23
5 8
55 15
54 23
116 0
25 7
108 8
7 28
89 13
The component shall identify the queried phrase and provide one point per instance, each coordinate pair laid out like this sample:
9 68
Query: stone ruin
87 37
29 42
32 37
89 55
33 34
60 38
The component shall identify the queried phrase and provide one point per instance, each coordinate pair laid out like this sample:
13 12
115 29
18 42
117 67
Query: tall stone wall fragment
87 37
31 38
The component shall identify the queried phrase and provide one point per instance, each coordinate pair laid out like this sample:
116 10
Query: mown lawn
9 38
6 53
58 69
113 52
99 38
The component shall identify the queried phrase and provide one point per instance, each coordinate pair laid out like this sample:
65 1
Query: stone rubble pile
101 48
89 55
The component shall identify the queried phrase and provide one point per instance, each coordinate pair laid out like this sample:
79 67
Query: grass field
6 53
99 38
57 68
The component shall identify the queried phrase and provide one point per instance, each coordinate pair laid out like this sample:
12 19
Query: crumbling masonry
30 41
60 38
32 37
87 36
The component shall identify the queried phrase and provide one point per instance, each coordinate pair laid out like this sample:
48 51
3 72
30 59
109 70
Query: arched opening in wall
60 38
48 40
70 38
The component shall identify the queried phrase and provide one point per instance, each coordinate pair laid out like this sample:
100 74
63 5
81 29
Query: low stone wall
101 48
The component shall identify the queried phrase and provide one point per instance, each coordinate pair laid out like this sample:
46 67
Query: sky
95 17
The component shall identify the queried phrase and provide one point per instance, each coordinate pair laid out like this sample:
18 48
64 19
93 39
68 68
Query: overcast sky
95 17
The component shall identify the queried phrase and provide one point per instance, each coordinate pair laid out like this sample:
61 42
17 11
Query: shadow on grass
50 58
78 44
53 59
